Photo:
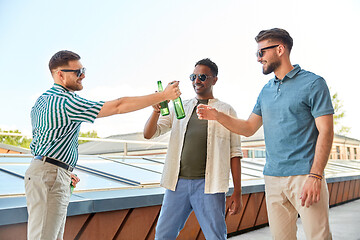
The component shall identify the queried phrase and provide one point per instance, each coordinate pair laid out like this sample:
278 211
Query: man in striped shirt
56 118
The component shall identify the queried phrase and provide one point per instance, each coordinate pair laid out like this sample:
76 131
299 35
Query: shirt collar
211 100
60 88
290 74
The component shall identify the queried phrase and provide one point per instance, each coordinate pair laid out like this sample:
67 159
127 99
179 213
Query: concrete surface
344 225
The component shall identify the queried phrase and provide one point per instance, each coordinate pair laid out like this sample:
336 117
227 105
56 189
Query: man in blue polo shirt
296 111
56 118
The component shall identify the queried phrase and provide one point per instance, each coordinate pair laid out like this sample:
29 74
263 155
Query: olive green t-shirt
193 155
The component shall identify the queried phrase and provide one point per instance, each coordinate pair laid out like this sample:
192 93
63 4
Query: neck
61 84
283 69
206 97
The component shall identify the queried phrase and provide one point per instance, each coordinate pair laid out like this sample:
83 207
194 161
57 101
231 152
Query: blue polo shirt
288 108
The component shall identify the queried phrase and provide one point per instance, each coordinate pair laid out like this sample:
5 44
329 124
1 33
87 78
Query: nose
197 79
258 58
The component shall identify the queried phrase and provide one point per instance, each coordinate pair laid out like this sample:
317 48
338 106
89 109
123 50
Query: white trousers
284 204
47 189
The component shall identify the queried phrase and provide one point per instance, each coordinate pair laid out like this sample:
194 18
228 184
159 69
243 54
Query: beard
74 86
271 67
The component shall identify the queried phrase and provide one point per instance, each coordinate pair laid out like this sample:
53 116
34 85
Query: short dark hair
62 58
207 62
276 34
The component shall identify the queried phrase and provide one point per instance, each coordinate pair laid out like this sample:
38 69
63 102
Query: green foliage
25 142
89 134
339 114
15 140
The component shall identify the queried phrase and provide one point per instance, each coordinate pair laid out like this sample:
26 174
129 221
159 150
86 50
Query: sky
127 46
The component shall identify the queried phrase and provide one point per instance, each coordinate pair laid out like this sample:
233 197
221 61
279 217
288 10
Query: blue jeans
177 206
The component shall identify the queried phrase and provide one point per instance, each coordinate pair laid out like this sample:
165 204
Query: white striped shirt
56 118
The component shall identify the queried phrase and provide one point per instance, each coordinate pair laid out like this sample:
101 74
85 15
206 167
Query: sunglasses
202 77
260 52
78 72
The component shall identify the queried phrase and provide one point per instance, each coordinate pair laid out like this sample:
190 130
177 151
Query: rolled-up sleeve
235 140
164 125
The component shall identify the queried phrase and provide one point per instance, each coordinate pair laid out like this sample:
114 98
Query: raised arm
151 124
130 104
239 126
311 190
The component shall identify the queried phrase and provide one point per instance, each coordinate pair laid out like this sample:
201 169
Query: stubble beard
271 67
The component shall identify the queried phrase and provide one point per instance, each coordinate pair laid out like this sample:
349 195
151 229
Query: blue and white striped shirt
56 118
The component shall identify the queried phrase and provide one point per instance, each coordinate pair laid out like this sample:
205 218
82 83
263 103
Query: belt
55 162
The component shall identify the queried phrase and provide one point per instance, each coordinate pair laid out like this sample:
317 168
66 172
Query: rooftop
343 225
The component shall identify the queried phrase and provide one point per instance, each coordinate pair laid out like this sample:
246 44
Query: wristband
320 176
314 175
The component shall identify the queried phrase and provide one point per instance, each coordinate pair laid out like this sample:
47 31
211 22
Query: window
355 153
348 153
338 152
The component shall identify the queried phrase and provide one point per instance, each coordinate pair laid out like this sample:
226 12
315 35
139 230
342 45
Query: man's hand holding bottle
172 90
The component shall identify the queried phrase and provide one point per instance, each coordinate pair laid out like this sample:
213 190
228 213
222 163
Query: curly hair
207 62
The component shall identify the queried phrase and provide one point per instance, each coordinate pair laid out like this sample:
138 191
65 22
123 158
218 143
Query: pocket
50 177
32 176
31 179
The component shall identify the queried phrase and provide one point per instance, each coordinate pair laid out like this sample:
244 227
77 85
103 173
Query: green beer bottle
71 188
164 109
179 109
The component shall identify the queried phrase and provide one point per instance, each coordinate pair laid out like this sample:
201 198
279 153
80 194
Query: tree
339 114
21 141
18 141
89 134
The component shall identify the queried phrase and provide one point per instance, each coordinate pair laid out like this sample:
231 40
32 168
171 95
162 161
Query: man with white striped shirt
56 118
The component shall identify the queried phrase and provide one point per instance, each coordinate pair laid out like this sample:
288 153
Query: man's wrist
163 96
316 176
237 191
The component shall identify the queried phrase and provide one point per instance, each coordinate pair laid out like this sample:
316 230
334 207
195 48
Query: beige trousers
283 205
47 189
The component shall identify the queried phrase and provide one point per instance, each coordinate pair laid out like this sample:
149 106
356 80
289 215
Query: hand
311 192
74 179
156 108
172 90
206 112
235 203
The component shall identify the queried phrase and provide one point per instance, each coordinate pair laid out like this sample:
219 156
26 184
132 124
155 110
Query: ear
215 80
58 76
281 50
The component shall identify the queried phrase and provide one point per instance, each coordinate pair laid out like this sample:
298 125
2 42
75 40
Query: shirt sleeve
257 107
320 99
235 140
82 110
164 125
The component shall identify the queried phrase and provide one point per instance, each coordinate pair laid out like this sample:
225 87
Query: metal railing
251 151
125 142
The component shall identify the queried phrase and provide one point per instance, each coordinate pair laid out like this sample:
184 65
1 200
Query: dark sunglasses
202 77
78 72
260 52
